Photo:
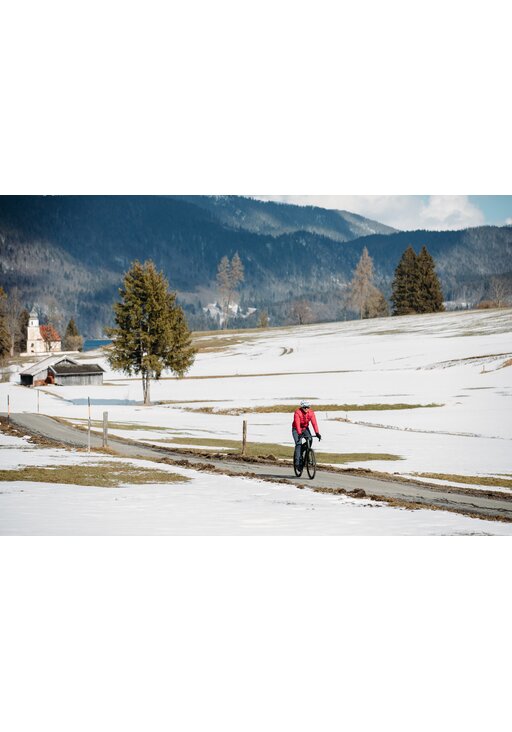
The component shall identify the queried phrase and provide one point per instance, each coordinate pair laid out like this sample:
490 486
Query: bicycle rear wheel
311 463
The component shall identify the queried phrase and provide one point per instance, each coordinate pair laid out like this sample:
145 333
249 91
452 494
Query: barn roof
82 369
46 363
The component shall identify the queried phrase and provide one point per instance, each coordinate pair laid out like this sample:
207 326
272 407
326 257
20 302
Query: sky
416 212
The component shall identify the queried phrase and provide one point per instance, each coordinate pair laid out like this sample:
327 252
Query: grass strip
129 426
107 474
469 479
289 408
266 449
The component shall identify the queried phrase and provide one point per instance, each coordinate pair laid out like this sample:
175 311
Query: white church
41 338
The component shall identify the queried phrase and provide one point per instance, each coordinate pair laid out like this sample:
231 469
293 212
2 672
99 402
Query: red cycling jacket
301 420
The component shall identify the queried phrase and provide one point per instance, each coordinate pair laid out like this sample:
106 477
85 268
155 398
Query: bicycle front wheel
311 464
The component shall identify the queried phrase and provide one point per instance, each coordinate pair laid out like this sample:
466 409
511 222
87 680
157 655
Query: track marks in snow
419 431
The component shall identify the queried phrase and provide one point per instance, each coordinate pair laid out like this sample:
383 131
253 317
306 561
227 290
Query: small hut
37 374
75 374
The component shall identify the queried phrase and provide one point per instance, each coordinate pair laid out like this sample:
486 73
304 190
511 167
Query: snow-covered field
207 505
456 360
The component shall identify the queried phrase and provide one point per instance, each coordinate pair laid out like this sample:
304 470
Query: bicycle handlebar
308 437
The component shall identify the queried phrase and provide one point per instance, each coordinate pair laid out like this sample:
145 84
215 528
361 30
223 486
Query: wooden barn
37 375
75 374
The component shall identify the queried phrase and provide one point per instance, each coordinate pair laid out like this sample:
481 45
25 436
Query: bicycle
307 457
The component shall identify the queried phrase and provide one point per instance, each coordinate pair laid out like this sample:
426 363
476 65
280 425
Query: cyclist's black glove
319 436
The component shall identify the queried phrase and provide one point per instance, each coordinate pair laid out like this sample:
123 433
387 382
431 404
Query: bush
487 304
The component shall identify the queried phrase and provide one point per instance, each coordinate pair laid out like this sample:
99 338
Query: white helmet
305 404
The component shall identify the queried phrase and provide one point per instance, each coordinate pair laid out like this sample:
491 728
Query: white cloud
509 221
402 212
450 212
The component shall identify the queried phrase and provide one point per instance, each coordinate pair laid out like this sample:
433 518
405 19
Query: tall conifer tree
430 294
72 341
406 297
151 332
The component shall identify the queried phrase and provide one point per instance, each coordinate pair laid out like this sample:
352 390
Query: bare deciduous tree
263 319
362 283
376 305
229 277
300 312
499 291
49 336
12 318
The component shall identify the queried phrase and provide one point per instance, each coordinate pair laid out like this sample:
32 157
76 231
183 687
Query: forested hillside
70 252
259 217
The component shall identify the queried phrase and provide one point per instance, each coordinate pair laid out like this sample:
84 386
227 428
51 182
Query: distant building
75 374
37 374
41 338
62 371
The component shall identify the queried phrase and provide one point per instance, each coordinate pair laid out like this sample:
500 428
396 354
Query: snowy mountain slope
267 217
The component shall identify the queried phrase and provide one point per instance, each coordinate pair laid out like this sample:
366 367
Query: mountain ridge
274 218
71 252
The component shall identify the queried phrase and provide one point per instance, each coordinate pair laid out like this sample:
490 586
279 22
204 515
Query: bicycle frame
307 456
306 441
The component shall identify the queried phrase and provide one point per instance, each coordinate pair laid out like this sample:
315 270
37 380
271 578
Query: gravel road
473 502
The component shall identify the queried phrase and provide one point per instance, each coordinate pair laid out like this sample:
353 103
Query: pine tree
5 340
183 356
72 341
430 293
151 332
362 283
406 297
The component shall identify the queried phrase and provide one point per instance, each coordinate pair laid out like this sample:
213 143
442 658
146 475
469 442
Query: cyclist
300 426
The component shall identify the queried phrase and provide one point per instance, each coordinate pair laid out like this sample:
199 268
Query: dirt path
482 504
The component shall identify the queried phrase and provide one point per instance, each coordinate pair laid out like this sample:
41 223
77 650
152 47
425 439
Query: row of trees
416 287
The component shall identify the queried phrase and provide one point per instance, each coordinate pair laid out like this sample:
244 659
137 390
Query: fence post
105 429
89 425
8 409
244 436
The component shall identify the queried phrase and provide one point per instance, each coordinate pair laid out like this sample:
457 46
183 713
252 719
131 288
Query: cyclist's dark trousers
297 438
